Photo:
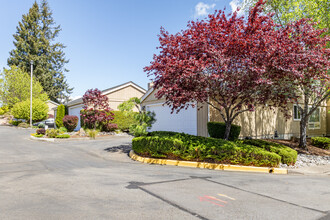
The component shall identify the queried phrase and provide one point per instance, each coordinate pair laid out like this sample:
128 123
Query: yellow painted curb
205 165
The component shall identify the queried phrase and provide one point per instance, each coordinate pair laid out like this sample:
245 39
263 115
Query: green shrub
59 116
21 110
62 130
189 147
23 125
145 120
288 155
52 133
322 142
41 125
124 122
15 123
37 135
63 136
217 130
139 130
4 109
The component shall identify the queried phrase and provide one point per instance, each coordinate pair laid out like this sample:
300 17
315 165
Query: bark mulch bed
312 150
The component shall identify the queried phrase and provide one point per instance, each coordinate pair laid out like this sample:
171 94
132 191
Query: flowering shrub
70 122
96 112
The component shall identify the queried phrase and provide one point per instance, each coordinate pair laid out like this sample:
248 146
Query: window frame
315 123
298 113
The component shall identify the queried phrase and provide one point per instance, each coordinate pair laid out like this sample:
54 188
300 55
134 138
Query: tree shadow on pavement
121 149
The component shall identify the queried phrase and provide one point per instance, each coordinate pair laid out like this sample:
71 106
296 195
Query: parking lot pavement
97 180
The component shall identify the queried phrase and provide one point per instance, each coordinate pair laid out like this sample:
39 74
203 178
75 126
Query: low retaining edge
206 165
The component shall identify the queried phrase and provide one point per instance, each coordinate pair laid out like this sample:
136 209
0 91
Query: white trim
106 92
57 104
123 86
155 104
315 123
76 106
208 109
147 94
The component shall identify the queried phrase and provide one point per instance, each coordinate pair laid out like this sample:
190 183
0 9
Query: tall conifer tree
35 40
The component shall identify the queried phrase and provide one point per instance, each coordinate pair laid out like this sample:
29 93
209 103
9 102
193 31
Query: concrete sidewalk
312 170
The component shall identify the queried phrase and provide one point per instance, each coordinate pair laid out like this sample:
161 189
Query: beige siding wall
151 99
202 119
263 122
122 95
328 117
50 107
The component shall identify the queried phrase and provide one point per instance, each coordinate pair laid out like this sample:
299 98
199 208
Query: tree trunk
227 132
303 129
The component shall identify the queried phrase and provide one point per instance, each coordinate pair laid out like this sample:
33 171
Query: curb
43 139
58 139
205 165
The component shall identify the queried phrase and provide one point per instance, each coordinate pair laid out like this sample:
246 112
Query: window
314 120
296 113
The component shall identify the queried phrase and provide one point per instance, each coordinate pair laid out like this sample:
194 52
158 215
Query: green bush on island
172 145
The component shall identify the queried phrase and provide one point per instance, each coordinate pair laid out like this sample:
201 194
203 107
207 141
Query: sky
108 42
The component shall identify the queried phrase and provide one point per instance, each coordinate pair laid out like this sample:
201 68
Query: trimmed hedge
321 142
288 155
188 147
63 136
217 130
123 121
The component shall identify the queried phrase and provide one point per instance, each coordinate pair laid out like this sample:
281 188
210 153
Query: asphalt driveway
97 180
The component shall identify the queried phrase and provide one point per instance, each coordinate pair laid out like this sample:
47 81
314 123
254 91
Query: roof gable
110 90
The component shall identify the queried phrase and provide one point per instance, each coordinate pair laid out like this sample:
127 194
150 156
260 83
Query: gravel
306 160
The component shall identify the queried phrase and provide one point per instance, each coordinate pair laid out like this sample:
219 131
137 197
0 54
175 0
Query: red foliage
41 131
97 111
110 127
70 122
234 62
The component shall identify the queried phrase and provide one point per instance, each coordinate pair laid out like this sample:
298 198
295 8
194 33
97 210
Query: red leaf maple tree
306 60
225 61
234 64
97 111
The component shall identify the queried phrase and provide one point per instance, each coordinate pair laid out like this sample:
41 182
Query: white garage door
76 111
185 121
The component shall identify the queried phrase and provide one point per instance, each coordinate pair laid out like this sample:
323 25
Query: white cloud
235 4
202 9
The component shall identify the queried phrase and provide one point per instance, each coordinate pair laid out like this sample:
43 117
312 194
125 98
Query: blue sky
108 42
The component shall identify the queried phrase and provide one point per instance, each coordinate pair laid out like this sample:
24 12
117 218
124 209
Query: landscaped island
180 146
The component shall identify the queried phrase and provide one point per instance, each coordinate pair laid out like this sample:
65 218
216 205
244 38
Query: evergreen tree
35 40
